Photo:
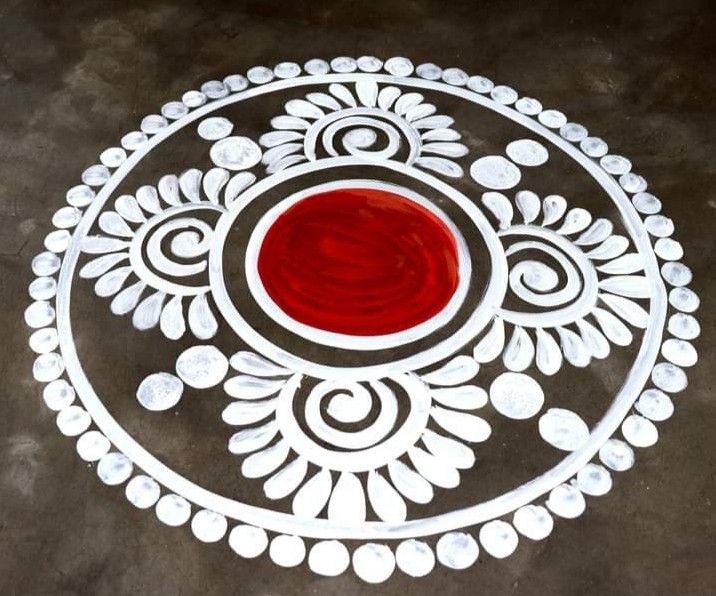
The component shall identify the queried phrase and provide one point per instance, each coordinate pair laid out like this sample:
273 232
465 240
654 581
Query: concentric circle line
285 523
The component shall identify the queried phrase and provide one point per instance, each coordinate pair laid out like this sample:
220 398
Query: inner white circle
342 340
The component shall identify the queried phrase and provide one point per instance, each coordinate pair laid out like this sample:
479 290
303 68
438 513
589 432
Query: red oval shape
359 261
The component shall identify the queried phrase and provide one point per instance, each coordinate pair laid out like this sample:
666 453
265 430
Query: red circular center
359 261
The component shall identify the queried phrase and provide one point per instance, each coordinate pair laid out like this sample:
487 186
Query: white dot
563 429
617 455
566 501
287 551
639 431
142 491
73 421
495 172
236 82
39 314
160 391
655 405
373 563
316 67
457 550
676 274
114 468
680 352
516 395
498 538
202 366
81 195
414 558
92 445
398 66
173 510
533 521
58 394
527 152
287 70
259 75
329 558
669 377
214 128
235 153
42 288
208 526
594 480
683 326
248 541
47 367
684 299
552 118
504 94
343 64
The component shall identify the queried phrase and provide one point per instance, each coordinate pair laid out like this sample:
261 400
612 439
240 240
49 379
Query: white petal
442 166
279 137
611 248
286 480
147 314
411 484
190 183
276 154
440 134
286 162
613 328
520 351
387 96
303 109
247 387
342 93
324 100
96 245
169 189
110 283
347 504
253 364
549 356
596 343
575 221
238 184
251 439
312 497
367 91
264 462
630 286
529 204
598 232
129 209
433 469
553 209
148 198
100 265
243 413
573 348
290 123
466 397
628 310
464 426
214 181
127 299
500 207
385 500
628 263
453 452
201 320
113 224
434 122
454 372
491 345
446 149
422 110
172 321
407 101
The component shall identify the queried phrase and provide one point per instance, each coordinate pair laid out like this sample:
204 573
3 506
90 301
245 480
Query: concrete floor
74 76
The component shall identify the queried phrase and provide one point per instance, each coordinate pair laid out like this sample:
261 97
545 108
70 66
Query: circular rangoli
411 319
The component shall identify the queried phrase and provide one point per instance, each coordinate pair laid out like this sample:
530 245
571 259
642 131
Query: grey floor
74 76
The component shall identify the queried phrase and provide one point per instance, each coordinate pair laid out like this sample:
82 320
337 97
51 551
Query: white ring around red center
359 265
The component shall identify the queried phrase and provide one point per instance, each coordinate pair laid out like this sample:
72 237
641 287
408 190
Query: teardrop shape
437 121
407 101
264 462
433 469
324 100
549 356
127 299
528 204
454 372
111 223
387 96
201 320
214 181
238 184
247 387
243 413
616 331
342 93
367 91
420 111
148 199
466 397
100 265
286 480
169 189
491 345
410 484
573 348
279 137
464 426
284 163
385 500
628 263
172 321
190 185
253 364
553 209
598 232
440 134
312 497
276 154
290 123
97 245
630 286
611 248
500 207
303 109
453 452
575 221
445 149
596 343
147 314
445 167
251 439
110 283
129 209
519 351
628 310
347 504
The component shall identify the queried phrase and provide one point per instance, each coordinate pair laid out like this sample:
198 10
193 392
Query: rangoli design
375 295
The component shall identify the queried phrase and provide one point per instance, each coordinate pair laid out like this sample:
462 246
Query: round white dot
93 445
202 366
173 510
516 395
533 522
287 551
373 563
114 468
142 491
329 558
208 526
457 550
495 172
414 558
498 538
248 541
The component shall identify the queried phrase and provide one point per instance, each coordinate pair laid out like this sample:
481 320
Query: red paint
359 262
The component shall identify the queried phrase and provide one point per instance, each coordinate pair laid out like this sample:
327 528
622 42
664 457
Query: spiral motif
374 443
